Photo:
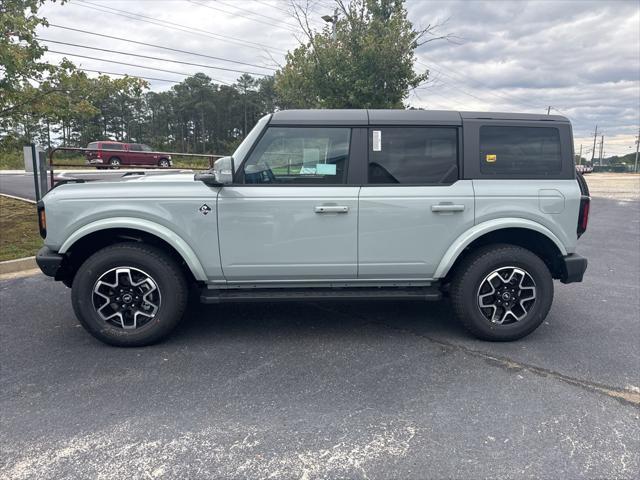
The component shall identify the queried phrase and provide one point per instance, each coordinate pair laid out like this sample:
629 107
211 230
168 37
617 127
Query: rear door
292 215
413 206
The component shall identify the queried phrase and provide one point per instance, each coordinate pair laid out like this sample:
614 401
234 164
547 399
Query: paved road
328 390
18 185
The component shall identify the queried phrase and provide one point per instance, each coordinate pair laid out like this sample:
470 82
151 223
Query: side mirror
221 174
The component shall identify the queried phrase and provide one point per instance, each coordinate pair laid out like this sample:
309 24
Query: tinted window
413 155
311 155
146 148
134 147
520 150
112 146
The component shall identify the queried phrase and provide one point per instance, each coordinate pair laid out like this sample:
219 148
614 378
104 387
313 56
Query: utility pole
333 20
635 167
601 147
548 109
580 156
593 150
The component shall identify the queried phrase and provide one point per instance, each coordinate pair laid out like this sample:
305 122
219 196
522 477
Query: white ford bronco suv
485 208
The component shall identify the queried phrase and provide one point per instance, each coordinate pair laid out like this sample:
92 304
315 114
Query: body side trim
481 229
153 228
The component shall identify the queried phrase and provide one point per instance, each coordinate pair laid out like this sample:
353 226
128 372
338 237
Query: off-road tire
472 271
164 271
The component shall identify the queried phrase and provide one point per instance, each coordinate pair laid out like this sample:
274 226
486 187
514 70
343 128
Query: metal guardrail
143 166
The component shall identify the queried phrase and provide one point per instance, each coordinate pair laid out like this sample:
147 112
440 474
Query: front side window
145 148
413 155
134 147
520 150
296 155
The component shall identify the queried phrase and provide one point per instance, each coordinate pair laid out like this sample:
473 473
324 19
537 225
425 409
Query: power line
282 25
128 75
177 26
177 50
461 76
150 57
129 64
454 88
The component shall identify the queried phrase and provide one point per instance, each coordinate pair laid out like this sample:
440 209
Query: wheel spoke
126 297
506 295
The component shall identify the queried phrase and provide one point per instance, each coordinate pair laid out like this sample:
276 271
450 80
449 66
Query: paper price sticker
377 140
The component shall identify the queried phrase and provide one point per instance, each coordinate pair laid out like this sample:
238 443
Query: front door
291 216
135 155
413 206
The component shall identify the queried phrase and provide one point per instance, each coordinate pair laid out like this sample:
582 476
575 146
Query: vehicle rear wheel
502 292
163 163
115 163
129 294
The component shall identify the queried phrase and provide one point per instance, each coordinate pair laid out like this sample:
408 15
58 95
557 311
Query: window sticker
491 158
326 169
377 140
307 170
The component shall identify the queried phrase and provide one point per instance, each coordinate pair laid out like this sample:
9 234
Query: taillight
583 217
42 219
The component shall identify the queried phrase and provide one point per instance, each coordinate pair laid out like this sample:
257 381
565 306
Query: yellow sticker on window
491 158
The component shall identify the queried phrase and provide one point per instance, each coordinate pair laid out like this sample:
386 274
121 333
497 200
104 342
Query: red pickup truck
117 154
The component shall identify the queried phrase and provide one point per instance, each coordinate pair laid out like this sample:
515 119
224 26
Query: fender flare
169 236
475 232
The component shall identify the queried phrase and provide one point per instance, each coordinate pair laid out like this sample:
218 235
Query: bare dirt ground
618 186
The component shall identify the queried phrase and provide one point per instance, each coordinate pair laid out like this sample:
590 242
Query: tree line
196 115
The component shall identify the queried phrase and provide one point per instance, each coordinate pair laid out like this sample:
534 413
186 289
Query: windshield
249 140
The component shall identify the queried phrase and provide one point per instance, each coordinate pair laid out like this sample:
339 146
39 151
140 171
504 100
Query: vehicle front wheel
115 163
129 294
502 292
163 163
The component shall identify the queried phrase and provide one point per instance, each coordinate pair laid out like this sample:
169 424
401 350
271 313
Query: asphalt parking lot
333 390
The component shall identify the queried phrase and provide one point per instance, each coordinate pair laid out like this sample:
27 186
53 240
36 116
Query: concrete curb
18 198
12 266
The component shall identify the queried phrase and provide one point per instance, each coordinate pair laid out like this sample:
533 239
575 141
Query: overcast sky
582 58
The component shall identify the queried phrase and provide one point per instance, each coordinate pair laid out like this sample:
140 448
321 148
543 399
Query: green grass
11 160
19 235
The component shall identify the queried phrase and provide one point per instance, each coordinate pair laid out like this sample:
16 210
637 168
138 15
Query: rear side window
520 150
92 146
413 155
112 146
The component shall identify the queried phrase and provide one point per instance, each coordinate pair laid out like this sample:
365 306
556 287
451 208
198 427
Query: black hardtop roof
397 117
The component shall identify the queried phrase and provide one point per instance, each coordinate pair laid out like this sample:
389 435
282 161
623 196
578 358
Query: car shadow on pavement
205 323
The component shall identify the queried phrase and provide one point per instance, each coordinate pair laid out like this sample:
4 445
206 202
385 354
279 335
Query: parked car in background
117 154
485 208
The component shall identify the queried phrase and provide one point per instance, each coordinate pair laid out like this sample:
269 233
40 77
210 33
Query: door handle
331 209
447 208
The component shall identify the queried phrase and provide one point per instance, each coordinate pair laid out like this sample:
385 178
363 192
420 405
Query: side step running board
310 294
